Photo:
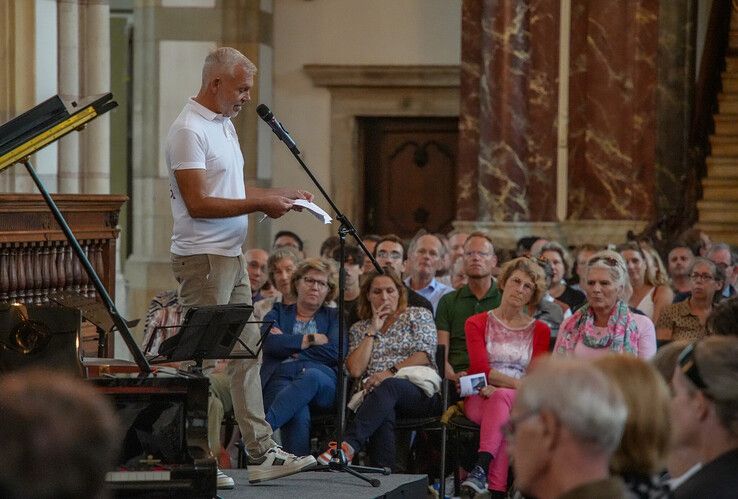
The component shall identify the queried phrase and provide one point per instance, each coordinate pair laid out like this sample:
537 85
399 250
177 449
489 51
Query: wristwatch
393 369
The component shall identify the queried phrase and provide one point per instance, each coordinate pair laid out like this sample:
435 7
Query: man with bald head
210 203
425 257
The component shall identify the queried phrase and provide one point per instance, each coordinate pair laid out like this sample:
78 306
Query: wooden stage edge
323 484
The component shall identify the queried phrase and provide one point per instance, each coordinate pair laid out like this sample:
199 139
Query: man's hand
275 206
291 193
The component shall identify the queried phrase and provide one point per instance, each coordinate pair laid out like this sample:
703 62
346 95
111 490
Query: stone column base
568 232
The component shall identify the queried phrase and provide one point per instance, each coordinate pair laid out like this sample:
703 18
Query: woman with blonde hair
644 447
649 295
501 344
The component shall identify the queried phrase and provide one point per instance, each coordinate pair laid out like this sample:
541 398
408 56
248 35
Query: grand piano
164 450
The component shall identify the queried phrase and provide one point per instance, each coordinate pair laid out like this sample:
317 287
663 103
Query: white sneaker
224 481
277 463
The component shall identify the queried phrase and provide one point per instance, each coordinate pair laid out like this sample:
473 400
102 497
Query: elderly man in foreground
564 427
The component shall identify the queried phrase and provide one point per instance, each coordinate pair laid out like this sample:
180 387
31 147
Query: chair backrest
441 360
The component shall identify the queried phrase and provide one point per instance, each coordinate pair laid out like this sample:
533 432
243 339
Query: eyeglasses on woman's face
697 277
310 282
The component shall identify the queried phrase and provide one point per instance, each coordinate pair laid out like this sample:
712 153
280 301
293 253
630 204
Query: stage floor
326 484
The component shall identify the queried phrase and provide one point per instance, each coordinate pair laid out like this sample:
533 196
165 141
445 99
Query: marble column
69 79
612 125
508 111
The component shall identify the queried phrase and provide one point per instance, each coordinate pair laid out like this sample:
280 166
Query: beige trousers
218 280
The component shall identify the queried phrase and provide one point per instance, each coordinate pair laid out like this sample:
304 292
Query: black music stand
210 332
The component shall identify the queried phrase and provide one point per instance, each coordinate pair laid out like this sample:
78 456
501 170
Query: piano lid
47 122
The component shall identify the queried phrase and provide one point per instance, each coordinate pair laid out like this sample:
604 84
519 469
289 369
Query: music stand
210 332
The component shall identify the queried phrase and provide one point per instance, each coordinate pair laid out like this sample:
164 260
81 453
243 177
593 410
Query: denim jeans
288 395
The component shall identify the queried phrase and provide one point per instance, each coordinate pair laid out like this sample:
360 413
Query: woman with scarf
605 324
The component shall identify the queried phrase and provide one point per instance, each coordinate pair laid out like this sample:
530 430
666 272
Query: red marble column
612 114
509 88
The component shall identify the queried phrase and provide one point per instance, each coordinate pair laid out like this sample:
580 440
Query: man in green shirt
480 294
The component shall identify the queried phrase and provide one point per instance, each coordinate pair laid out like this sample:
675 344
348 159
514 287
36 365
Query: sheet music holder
211 332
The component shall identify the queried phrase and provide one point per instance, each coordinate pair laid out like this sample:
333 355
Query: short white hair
225 59
581 397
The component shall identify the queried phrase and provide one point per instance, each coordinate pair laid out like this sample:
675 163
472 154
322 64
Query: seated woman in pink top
501 344
605 324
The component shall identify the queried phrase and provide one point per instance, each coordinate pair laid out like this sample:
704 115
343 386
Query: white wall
343 32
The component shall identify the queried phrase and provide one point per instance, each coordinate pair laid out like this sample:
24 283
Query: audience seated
425 257
328 245
723 320
287 238
686 320
300 354
705 408
391 252
566 422
722 255
650 296
353 261
641 456
480 294
683 459
389 337
548 310
697 240
370 241
606 325
457 276
59 437
281 264
524 244
679 261
256 267
501 344
582 254
455 244
558 257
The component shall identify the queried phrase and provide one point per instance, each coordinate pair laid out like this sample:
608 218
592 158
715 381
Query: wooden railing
35 258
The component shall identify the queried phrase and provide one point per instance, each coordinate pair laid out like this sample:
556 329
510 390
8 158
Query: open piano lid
39 126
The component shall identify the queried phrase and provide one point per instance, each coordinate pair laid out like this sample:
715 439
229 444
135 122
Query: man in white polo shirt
210 204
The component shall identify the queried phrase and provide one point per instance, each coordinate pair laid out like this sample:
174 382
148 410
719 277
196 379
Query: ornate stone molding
330 75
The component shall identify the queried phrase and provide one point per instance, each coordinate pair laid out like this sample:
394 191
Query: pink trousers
490 414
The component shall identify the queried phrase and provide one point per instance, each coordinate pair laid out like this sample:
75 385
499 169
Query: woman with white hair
605 324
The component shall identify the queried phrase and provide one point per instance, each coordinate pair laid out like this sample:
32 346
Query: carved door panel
410 175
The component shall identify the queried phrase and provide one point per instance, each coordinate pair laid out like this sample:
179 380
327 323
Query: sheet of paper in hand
313 208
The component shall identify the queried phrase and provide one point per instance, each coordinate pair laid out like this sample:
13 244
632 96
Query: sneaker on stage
224 481
277 463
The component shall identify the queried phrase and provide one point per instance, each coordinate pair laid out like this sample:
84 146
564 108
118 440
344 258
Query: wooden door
410 174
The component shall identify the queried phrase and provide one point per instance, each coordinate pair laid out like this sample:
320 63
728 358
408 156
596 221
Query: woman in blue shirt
300 354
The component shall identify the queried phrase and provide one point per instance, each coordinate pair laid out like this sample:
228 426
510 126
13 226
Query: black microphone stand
339 461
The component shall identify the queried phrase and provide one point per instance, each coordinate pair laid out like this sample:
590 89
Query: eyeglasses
481 254
509 428
688 365
309 281
393 255
701 277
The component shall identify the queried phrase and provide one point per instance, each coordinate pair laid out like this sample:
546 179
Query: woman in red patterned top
501 344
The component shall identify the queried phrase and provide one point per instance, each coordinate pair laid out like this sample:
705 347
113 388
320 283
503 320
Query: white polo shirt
200 138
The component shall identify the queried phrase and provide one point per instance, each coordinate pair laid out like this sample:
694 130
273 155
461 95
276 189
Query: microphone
265 114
